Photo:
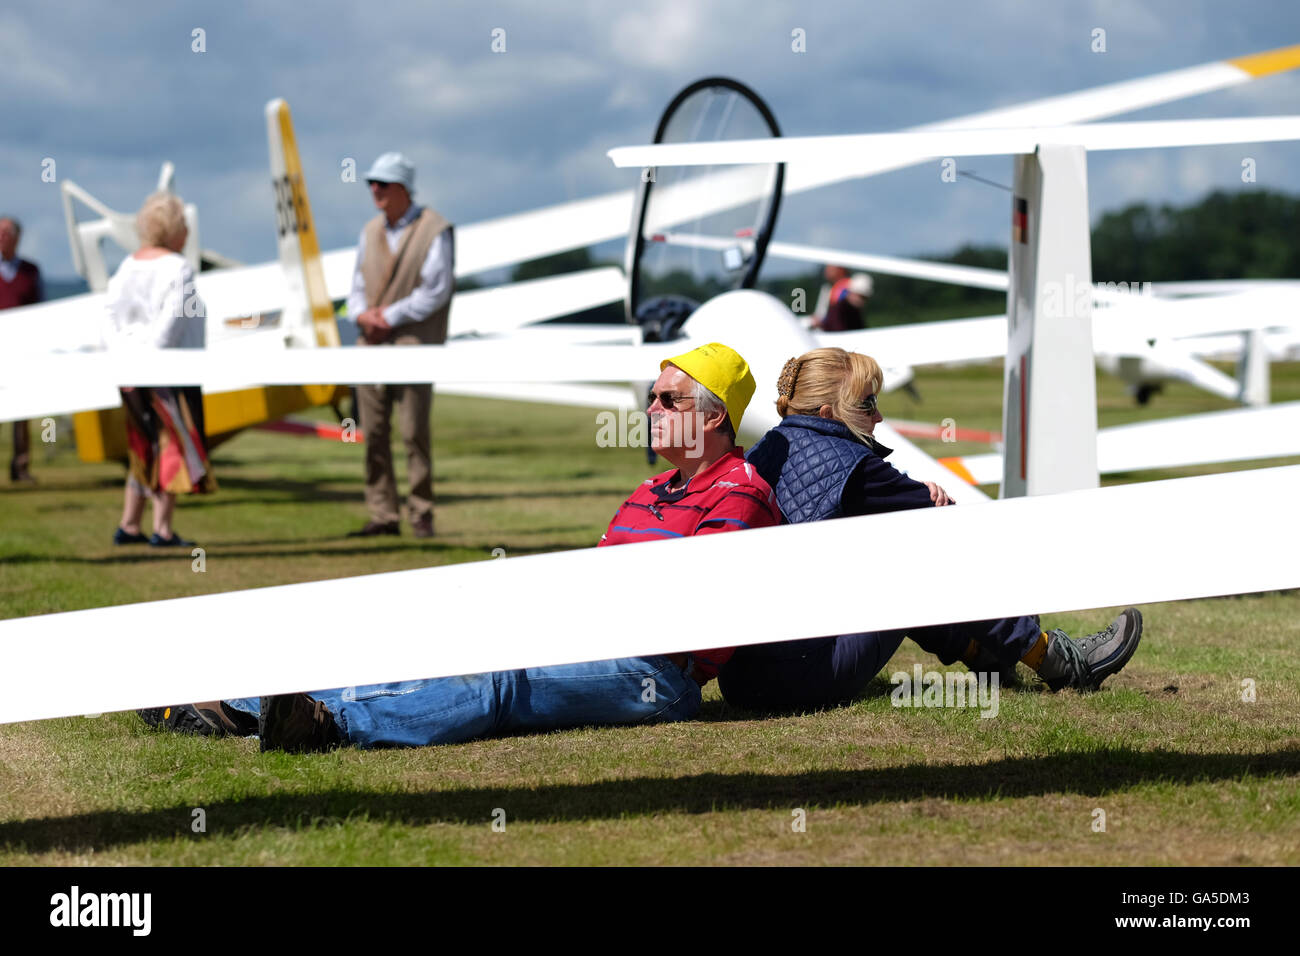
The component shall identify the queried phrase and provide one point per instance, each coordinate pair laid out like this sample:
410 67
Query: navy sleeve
875 486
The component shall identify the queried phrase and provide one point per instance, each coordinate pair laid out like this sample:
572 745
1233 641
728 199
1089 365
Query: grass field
1185 770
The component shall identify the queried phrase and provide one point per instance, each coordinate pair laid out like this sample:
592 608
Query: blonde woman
152 303
823 462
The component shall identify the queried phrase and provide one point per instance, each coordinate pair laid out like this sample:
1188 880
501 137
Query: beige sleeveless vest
390 276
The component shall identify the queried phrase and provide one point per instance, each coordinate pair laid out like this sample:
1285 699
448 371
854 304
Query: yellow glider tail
308 310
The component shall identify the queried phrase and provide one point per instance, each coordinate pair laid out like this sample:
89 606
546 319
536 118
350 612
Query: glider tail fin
308 317
86 238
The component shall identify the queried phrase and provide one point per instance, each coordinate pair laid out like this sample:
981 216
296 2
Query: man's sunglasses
667 399
375 182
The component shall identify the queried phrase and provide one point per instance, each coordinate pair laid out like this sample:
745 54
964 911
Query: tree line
1242 235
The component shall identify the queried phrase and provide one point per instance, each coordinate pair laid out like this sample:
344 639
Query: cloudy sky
110 91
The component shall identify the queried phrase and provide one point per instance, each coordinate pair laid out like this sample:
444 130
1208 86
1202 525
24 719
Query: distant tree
681 282
574 260
1246 235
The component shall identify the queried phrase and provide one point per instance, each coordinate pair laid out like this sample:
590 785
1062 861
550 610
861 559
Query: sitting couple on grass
820 462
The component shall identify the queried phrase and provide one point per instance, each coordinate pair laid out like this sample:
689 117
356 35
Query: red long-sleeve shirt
727 496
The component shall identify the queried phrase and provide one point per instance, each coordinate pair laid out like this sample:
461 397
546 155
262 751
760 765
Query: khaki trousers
414 405
22 451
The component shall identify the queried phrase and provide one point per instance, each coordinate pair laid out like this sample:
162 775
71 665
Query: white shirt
434 288
152 303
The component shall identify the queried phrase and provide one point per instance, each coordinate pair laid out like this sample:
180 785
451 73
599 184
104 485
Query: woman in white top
152 304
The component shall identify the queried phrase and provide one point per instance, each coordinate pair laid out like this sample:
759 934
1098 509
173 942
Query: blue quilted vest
807 461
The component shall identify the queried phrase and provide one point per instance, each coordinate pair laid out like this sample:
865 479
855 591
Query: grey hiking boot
1085 663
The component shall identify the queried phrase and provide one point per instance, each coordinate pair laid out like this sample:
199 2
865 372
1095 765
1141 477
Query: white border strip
1111 546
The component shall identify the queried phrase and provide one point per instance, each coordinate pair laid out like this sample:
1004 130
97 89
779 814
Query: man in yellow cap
718 385
697 405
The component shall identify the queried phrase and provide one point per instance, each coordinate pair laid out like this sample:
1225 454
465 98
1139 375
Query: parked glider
538 626
698 197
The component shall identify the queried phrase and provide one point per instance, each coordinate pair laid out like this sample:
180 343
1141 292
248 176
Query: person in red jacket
696 407
20 284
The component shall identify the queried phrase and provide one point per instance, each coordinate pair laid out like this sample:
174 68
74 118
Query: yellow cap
723 372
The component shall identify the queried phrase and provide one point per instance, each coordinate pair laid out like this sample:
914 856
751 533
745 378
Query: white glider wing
927 343
1239 434
914 147
1112 99
557 608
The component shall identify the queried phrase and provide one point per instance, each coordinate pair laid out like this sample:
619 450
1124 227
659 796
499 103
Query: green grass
1185 770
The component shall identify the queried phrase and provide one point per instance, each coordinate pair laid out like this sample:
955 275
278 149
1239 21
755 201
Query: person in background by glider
20 284
824 463
696 406
842 305
834 277
151 303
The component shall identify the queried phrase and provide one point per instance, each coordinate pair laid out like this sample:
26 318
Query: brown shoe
296 723
374 528
422 527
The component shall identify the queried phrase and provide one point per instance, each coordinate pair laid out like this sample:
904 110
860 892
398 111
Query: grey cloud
112 92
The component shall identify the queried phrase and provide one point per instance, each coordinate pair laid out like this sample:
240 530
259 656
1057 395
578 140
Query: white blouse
153 303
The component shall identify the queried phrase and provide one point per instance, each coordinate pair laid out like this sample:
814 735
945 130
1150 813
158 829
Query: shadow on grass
64 483
289 489
281 487
30 489
148 554
1086 774
622 490
285 491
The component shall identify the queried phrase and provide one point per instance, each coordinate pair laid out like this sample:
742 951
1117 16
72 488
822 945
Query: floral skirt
165 441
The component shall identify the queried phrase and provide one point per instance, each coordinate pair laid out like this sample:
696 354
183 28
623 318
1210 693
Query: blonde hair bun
789 372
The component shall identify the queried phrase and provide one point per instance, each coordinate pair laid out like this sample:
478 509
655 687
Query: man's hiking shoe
1085 663
211 718
296 723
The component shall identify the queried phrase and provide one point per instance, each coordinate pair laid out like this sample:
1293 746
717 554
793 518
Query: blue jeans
446 710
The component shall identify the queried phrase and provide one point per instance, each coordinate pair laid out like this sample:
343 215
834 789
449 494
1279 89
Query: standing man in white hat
401 295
